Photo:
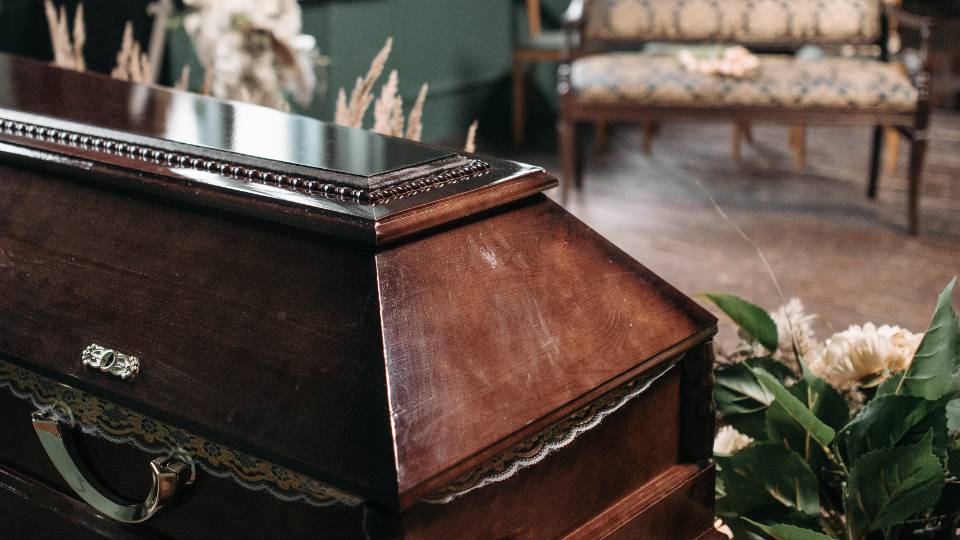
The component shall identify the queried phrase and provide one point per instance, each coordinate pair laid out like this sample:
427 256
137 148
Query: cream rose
862 353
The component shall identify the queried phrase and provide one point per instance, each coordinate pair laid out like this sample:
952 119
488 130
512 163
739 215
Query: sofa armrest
899 19
919 67
913 21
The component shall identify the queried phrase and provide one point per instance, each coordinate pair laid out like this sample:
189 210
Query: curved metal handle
170 475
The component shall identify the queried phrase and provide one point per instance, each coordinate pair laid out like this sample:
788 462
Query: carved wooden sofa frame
575 112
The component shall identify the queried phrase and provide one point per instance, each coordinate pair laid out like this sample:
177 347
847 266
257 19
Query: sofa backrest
747 22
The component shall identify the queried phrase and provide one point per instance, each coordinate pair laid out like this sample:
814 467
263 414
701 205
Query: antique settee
602 82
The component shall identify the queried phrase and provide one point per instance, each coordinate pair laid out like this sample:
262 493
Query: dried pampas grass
415 121
184 82
67 52
132 64
351 113
471 144
388 108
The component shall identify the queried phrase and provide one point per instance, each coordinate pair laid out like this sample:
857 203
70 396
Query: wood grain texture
574 485
495 327
254 335
676 504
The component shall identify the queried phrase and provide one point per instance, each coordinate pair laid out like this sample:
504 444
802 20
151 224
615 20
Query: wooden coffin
337 335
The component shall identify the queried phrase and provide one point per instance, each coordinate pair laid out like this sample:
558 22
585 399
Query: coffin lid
406 365
349 182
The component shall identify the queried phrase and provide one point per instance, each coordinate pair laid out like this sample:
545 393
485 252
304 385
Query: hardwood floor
848 258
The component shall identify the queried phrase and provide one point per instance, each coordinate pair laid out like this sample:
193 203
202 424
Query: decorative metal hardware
313 185
110 361
170 474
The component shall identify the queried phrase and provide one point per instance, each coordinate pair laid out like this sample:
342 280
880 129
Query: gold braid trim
113 422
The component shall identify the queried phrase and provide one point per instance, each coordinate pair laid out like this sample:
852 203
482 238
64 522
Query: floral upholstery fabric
734 21
779 81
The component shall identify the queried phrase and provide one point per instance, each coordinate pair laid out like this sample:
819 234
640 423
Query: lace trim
118 424
538 447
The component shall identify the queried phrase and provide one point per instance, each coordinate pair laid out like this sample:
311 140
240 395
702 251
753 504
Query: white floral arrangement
854 437
254 50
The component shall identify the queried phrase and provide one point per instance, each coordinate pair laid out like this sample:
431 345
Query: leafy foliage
888 486
933 373
751 319
788 532
768 475
888 471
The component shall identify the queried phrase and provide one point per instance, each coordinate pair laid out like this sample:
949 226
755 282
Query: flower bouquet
857 437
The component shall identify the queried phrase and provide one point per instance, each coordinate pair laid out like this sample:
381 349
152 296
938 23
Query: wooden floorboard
847 257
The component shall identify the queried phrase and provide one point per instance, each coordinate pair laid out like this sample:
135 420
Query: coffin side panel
254 335
571 486
211 508
503 322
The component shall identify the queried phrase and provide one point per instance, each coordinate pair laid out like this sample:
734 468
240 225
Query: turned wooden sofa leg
875 151
602 130
918 151
650 129
567 132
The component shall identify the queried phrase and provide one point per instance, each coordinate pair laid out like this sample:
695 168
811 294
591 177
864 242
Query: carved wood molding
107 147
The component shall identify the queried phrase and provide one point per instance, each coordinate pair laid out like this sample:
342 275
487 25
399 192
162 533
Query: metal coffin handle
170 475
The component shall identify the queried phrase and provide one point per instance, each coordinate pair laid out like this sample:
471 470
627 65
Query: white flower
864 353
794 324
253 49
729 441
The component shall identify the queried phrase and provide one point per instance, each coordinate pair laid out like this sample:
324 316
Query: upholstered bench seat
781 81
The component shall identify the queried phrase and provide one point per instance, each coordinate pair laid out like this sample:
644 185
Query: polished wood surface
476 316
674 505
489 334
573 486
254 334
192 147
100 105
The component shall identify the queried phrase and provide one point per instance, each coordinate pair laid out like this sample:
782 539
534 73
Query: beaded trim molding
314 186
536 448
101 418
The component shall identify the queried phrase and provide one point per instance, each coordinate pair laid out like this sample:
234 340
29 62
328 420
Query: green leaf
788 532
821 432
826 404
933 372
737 391
753 320
751 425
765 476
888 486
953 416
889 421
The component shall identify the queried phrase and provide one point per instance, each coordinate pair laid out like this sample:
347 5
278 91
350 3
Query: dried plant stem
415 121
132 64
351 113
184 82
763 258
67 52
388 109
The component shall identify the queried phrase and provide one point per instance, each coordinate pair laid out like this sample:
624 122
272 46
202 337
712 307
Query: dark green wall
462 48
